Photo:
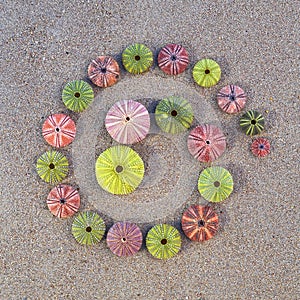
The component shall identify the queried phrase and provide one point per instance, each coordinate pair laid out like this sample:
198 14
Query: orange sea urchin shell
59 130
63 201
104 71
199 223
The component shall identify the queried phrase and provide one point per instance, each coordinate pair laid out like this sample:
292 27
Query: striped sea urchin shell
124 239
199 223
206 142
252 122
127 122
206 72
88 228
173 59
63 201
163 241
231 99
260 147
104 71
52 166
59 130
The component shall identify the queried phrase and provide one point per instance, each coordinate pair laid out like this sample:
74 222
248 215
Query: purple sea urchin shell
124 239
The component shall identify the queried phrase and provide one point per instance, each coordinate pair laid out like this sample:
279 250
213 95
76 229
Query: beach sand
255 254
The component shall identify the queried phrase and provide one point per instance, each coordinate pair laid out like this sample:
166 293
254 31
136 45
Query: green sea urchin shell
163 241
174 114
252 122
206 72
88 228
119 170
52 166
137 58
77 95
215 184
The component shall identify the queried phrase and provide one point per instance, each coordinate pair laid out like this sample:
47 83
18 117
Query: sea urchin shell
128 122
252 122
104 71
260 147
173 59
59 130
206 73
124 239
137 58
52 166
206 142
215 184
63 201
163 241
88 228
199 223
231 99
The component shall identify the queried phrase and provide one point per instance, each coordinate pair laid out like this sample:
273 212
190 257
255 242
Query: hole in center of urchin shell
62 201
164 241
217 184
173 113
201 223
261 146
173 57
207 71
119 169
51 166
127 119
77 95
253 122
231 97
57 129
207 142
88 229
123 240
103 70
137 57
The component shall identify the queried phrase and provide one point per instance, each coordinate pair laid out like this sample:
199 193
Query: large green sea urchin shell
137 58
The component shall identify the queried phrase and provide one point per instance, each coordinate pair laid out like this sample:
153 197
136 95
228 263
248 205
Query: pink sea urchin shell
260 147
104 71
206 142
124 239
63 201
59 130
231 99
127 122
173 59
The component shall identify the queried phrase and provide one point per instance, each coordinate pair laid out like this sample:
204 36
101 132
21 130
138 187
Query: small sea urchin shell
173 59
63 201
174 114
231 99
77 95
119 170
199 223
59 130
137 58
88 228
124 239
127 122
104 71
215 184
206 142
252 122
206 72
163 241
52 166
260 147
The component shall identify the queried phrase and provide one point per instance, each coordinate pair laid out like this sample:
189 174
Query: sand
45 44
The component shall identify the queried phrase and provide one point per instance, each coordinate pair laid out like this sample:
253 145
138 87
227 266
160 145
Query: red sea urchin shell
231 99
127 122
199 223
59 130
104 71
260 147
206 142
124 239
63 201
173 59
